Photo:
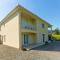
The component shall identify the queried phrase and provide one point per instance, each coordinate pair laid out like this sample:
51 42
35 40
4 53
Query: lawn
56 37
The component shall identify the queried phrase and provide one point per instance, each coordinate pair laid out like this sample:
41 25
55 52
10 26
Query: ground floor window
26 39
43 35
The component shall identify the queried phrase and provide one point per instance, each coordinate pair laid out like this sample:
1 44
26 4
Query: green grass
56 37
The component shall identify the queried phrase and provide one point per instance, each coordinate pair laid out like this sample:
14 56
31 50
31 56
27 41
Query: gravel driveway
46 52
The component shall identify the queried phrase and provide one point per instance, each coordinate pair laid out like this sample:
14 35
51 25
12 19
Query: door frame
26 38
43 36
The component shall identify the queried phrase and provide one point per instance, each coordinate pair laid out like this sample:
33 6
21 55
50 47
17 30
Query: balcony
28 24
28 28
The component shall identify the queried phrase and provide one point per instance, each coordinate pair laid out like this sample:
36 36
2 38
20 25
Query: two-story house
23 29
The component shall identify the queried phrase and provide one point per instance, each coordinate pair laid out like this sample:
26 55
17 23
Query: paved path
55 46
48 52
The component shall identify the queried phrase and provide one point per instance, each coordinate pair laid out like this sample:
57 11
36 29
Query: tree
56 31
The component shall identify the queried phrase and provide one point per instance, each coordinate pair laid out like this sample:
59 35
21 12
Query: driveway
45 52
54 46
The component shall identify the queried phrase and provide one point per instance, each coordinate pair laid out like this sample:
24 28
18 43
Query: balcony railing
29 27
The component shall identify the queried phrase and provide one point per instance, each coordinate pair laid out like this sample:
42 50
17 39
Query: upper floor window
43 25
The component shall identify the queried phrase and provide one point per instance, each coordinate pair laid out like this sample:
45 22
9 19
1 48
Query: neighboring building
23 29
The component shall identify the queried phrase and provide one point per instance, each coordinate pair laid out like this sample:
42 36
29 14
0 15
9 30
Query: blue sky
49 10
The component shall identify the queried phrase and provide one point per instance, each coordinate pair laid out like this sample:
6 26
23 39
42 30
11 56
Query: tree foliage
56 31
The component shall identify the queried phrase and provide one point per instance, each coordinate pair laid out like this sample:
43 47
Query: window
43 25
43 35
0 28
3 38
25 39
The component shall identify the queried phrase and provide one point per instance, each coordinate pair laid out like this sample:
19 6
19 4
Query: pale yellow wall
11 31
41 31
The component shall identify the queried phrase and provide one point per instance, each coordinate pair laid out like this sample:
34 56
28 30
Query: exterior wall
10 31
41 31
32 38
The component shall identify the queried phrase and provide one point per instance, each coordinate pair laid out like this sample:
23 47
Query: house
23 29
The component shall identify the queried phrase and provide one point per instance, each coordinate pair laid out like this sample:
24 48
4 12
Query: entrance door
25 39
43 37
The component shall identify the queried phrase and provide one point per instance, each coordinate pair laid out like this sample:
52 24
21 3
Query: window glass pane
43 25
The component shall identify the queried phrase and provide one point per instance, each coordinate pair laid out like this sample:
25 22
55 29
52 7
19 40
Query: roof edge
21 7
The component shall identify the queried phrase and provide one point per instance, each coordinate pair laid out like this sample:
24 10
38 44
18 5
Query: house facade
23 29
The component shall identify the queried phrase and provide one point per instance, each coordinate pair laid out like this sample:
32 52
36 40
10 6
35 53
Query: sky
49 10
